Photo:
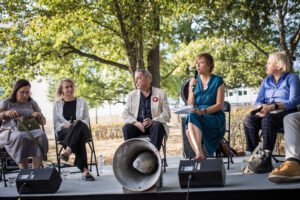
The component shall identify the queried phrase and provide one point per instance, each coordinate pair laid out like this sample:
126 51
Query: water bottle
101 164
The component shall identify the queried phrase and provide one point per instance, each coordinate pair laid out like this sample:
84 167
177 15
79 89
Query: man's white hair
145 72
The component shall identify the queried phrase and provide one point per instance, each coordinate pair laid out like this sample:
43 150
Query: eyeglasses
24 92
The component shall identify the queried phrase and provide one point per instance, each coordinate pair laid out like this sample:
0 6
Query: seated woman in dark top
71 119
20 145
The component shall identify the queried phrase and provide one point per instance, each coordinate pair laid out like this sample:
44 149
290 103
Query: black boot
262 163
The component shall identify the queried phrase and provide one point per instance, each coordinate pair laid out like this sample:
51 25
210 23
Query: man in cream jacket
147 110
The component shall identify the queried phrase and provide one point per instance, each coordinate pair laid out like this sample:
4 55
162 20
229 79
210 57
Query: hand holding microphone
194 82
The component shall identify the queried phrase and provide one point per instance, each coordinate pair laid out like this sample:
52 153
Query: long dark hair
19 84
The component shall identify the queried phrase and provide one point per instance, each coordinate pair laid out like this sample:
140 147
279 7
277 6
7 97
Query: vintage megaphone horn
137 165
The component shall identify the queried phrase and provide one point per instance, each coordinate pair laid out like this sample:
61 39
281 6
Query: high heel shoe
88 177
200 158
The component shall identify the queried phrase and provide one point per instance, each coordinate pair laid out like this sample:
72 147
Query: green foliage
100 43
260 23
240 64
93 85
56 38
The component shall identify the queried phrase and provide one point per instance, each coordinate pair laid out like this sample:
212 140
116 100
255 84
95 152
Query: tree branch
280 24
166 76
243 61
94 57
107 27
285 8
128 45
66 53
40 60
249 40
294 41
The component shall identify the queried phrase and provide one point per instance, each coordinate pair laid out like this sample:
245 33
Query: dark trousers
75 137
156 133
270 125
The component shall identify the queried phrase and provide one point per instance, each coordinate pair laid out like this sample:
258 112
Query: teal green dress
211 125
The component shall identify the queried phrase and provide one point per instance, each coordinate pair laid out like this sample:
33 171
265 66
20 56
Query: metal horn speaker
137 165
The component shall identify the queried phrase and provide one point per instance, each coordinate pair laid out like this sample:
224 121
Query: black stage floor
106 186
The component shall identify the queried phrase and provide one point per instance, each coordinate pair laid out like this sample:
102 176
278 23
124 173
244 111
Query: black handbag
29 122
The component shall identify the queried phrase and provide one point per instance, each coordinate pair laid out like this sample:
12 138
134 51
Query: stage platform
238 186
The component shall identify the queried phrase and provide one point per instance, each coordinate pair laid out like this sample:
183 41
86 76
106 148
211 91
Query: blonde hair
282 61
59 92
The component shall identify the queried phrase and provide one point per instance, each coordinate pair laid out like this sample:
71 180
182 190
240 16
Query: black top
69 110
145 107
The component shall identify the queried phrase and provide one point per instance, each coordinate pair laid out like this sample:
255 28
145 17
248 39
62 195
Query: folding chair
89 141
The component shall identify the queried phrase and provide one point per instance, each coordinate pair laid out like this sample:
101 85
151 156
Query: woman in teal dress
206 123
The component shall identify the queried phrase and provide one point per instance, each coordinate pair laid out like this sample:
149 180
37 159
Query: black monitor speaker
202 173
34 181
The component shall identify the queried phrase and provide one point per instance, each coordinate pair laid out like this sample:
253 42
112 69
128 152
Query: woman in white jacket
71 119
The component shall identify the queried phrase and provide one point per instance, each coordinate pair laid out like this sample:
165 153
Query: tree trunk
281 26
153 66
153 54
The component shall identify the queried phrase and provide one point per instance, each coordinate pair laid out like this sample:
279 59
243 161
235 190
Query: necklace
205 83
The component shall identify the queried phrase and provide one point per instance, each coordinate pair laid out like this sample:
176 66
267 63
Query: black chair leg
228 155
58 160
94 153
3 173
91 157
165 164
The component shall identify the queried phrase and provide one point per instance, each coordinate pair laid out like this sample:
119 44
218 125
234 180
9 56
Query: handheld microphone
253 112
195 77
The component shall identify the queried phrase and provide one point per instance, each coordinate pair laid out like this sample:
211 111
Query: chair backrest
227 109
227 106
185 91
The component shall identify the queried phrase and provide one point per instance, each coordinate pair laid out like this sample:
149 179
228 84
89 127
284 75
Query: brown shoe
289 171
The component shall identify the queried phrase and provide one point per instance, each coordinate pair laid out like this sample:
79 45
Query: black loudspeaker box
33 181
204 173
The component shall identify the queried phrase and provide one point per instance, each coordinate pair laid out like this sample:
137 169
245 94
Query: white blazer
82 113
159 107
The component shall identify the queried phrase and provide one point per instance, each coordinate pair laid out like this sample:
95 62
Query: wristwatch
276 106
